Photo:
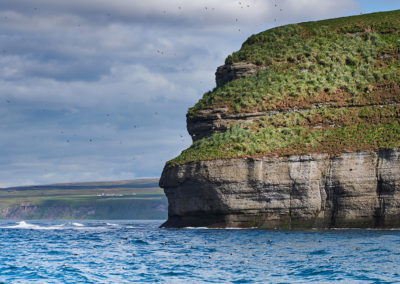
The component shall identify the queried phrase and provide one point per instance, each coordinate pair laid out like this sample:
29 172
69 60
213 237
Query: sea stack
301 131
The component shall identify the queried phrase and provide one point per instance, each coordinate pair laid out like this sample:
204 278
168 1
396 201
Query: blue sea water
138 251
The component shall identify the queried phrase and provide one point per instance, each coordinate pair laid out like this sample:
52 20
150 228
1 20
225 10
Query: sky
98 90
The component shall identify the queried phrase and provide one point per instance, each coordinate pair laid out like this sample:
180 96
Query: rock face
208 122
230 72
353 190
217 120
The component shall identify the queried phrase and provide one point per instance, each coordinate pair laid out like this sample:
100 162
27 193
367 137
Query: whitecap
25 225
78 224
196 228
219 228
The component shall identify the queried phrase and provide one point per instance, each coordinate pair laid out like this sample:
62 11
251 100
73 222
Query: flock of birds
241 4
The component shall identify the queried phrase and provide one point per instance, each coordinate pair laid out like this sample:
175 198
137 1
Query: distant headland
139 199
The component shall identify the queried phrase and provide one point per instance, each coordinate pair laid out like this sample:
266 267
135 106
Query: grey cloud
88 144
124 85
62 40
22 67
179 12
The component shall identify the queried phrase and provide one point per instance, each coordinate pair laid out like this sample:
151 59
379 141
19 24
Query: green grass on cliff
346 61
238 142
326 117
334 83
327 130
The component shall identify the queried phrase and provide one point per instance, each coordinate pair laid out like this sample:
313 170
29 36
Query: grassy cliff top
336 83
346 61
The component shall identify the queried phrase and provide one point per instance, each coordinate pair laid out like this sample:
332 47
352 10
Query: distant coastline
139 199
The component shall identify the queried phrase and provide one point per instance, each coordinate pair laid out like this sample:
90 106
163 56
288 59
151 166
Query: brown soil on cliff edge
341 64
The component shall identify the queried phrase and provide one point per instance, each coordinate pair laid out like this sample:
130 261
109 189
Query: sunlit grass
346 60
238 142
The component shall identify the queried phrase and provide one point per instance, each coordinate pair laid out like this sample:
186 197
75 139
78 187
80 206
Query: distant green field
136 199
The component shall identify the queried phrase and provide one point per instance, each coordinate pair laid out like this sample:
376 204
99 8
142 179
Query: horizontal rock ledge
210 121
352 190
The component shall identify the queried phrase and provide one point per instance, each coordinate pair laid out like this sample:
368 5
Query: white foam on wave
359 229
218 228
66 226
196 228
25 225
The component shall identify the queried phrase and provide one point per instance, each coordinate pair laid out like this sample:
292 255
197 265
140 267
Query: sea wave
64 226
218 228
25 225
37 250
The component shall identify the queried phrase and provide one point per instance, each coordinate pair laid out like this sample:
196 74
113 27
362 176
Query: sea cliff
355 189
301 131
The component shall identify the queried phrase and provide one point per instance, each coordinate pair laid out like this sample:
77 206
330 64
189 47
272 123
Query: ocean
141 252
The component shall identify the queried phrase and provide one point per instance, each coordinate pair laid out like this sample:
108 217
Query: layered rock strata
210 121
233 71
356 189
